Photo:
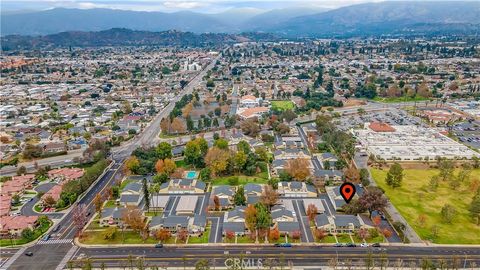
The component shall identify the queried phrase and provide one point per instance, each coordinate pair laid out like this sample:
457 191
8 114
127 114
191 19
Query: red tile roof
381 127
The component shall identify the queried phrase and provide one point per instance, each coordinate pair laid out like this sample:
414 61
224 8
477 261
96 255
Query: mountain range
381 18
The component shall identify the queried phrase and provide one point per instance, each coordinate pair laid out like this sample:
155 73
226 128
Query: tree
221 143
164 150
202 264
178 126
244 147
21 170
216 202
194 151
217 160
251 218
166 166
263 218
387 233
132 164
49 201
205 174
448 213
98 201
79 214
240 159
352 174
446 168
230 235
298 168
363 234
373 199
288 115
274 234
250 127
133 218
239 197
269 196
296 235
354 207
109 233
311 212
163 235
182 235
474 208
28 234
320 234
395 175
434 182
364 177
146 194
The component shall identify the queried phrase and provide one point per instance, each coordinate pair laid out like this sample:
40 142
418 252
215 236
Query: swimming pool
191 174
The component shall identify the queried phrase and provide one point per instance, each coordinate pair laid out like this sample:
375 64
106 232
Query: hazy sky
206 6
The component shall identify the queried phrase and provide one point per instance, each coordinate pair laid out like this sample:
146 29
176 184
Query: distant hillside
126 37
61 20
387 18
383 18
274 17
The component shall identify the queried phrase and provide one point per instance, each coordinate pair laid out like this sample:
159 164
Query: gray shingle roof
345 220
236 227
321 220
288 226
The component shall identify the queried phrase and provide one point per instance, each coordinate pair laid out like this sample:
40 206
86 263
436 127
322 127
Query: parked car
376 245
338 245
56 228
159 246
46 237
351 245
29 254
283 245
364 245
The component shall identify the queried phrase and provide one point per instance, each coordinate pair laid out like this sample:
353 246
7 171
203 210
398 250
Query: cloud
184 5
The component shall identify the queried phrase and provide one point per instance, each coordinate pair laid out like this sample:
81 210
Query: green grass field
326 239
282 105
344 238
260 178
414 198
399 99
200 239
96 238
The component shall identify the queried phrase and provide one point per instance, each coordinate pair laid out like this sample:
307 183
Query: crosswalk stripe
55 241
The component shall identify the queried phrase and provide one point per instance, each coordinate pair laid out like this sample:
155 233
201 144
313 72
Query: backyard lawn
201 239
282 105
414 199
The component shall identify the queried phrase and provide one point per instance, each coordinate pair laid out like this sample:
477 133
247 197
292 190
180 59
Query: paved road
298 255
53 162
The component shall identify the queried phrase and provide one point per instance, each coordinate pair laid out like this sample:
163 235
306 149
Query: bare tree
80 217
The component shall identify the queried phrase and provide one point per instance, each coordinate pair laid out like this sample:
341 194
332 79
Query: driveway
216 229
27 209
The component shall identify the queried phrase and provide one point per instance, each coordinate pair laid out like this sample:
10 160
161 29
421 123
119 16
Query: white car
364 245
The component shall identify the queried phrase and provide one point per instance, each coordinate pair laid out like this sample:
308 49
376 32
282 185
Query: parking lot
393 117
468 133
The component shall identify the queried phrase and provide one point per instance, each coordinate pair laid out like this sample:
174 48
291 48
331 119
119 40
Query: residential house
234 221
66 174
225 196
14 225
195 224
296 189
111 216
186 205
132 195
340 223
158 202
336 198
183 186
253 192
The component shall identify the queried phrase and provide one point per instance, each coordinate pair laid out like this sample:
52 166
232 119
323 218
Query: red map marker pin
347 190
